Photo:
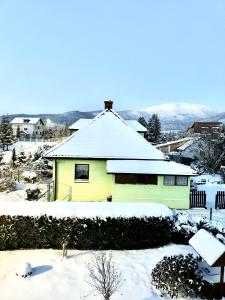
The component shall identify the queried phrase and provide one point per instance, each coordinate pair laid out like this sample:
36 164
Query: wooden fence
220 200
198 199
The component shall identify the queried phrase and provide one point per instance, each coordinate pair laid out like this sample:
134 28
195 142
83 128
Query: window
175 180
135 179
169 180
82 172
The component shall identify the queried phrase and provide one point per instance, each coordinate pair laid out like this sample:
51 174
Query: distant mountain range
173 116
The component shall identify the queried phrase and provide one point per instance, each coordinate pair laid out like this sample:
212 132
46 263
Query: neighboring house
172 145
83 122
28 127
108 160
205 128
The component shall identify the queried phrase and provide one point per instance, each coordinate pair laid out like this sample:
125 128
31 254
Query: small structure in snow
211 250
24 270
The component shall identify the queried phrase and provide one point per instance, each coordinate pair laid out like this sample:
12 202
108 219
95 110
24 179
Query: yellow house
108 160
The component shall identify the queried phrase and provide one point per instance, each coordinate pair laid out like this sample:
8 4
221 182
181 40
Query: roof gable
106 136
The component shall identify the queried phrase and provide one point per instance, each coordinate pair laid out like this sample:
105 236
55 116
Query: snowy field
55 278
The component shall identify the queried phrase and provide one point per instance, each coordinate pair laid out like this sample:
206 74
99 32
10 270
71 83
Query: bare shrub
105 279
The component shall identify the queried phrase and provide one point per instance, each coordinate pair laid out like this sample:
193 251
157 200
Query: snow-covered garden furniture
213 252
32 192
24 270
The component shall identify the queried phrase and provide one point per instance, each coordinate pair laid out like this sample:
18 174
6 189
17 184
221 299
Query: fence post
48 193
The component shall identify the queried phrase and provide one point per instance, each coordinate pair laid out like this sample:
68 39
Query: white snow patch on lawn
57 279
88 209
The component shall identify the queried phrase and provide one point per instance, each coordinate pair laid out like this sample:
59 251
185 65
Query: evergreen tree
153 129
18 132
13 157
7 137
143 122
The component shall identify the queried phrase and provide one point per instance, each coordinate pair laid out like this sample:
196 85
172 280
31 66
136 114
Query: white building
28 127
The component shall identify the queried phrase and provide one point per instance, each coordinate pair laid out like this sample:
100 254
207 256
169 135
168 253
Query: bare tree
211 153
105 279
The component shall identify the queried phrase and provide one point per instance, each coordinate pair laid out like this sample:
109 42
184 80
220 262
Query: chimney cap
108 104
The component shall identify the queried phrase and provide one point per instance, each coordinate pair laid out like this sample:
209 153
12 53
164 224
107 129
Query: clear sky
62 55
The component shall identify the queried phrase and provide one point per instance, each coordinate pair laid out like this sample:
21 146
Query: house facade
28 127
211 129
107 160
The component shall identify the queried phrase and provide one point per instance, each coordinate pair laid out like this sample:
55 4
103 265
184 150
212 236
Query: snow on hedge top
106 136
207 246
162 167
101 210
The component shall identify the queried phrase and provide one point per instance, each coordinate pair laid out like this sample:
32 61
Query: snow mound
60 209
24 270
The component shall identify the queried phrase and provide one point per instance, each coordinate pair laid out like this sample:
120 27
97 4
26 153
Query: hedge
25 232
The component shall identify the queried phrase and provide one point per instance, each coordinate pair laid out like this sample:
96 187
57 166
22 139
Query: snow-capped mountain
180 111
173 116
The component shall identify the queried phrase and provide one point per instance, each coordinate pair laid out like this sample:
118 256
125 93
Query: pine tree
13 157
18 132
153 129
143 122
7 137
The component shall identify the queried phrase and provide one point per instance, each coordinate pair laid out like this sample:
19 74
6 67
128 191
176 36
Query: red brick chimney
108 104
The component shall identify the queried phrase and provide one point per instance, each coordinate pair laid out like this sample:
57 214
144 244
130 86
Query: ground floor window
175 180
81 172
136 179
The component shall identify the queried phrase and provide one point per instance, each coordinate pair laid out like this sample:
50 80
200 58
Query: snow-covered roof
106 136
210 249
32 121
173 142
60 209
162 167
186 145
83 122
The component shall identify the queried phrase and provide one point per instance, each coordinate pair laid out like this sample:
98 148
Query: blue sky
57 56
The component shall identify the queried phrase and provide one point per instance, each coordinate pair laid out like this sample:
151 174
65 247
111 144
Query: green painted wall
101 185
98 188
172 196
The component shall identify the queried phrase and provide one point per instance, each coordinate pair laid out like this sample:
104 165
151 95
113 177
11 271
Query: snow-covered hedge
178 275
184 227
28 232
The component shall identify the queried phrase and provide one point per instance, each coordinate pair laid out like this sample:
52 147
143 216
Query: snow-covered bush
24 270
32 192
184 228
7 183
21 158
178 276
29 176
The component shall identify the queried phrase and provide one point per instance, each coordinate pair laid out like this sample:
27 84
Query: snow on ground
27 147
84 209
55 278
211 187
20 194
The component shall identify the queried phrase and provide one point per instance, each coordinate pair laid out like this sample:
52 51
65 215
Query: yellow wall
101 185
98 188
